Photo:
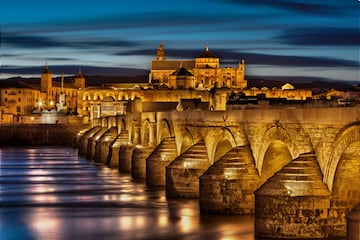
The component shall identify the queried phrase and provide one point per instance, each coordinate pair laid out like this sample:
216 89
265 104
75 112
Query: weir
297 170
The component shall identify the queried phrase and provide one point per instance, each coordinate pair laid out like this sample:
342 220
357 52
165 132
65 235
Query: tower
79 80
46 80
160 52
46 86
240 81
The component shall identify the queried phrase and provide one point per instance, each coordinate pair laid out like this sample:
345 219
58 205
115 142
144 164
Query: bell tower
46 86
46 80
80 80
160 52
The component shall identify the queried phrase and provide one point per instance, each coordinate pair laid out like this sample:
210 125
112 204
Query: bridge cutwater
296 169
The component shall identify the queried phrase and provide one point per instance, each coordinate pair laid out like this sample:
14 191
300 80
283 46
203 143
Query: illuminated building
199 80
203 72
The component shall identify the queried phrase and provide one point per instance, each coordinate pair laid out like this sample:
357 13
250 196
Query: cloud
73 69
41 42
334 7
30 41
321 37
231 57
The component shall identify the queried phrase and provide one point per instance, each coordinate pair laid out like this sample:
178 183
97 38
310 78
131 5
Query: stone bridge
296 169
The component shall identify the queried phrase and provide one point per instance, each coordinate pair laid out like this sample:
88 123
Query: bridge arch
186 141
347 143
224 141
145 133
121 124
275 137
164 130
276 156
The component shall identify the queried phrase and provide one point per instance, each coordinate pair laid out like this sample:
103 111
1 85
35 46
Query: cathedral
202 73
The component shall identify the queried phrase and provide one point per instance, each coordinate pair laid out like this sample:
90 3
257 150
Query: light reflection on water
51 193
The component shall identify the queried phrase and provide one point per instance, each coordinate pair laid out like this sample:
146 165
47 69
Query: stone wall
39 134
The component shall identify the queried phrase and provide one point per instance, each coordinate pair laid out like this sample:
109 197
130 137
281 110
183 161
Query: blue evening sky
276 38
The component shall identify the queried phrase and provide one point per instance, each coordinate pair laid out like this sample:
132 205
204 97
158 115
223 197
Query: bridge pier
90 154
125 158
139 156
294 203
84 139
182 175
77 138
113 158
103 144
156 163
353 223
228 186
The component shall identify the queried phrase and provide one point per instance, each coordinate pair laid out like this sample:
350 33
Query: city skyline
277 38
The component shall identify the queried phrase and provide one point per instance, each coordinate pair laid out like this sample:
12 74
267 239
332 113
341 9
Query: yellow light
164 158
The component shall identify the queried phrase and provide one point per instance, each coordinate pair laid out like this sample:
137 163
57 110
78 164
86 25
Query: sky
284 39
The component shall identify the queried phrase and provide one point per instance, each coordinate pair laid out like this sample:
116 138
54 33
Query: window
17 109
19 99
19 91
5 99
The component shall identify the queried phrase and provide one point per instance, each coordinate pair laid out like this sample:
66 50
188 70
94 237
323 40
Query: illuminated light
107 139
164 158
163 220
126 222
125 198
51 103
186 165
40 224
32 118
230 173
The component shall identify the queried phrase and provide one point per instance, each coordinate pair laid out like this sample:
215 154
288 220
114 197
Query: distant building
19 98
173 84
202 72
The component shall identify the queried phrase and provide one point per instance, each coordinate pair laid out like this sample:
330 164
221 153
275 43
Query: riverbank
39 134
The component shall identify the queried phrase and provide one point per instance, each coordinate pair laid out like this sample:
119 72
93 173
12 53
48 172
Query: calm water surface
52 193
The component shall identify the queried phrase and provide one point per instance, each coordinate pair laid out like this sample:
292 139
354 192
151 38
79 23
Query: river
52 193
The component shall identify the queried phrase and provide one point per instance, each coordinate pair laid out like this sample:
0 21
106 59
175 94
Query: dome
207 54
